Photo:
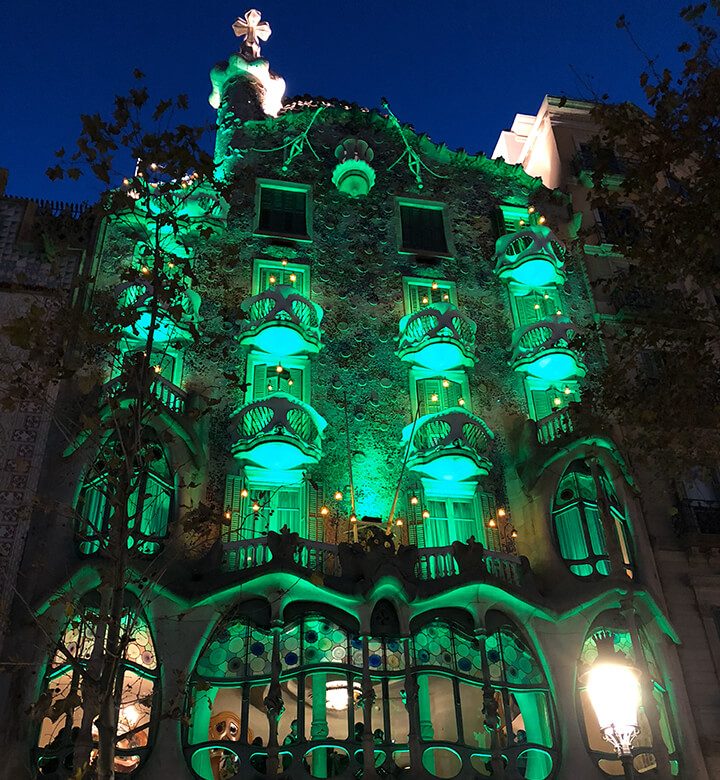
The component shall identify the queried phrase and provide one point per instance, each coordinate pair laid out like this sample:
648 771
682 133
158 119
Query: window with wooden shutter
545 401
423 292
433 396
283 211
291 275
316 520
267 380
236 505
422 229
415 522
536 306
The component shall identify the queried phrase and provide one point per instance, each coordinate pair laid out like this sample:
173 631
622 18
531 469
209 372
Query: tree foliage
655 183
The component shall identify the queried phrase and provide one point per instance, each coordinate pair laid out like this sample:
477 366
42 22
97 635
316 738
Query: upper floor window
283 209
579 523
544 400
269 378
536 306
437 394
510 217
420 293
423 228
268 273
451 520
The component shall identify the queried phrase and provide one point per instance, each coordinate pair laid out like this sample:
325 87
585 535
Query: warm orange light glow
338 495
244 492
501 512
413 500
324 510
425 514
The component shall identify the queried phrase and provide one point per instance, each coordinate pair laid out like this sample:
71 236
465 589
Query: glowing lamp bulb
338 495
324 510
492 523
615 694
434 398
126 182
171 264
153 166
244 492
293 277
145 270
398 522
255 506
272 280
461 401
567 391
558 312
279 368
290 382
228 514
501 512
425 299
546 296
446 383
353 518
521 223
541 220
446 297
283 262
425 514
557 401
513 534
414 500
531 209
269 387
434 285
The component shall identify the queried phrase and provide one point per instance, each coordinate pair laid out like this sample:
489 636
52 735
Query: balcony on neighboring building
545 350
449 446
532 257
278 432
438 337
177 313
698 522
282 322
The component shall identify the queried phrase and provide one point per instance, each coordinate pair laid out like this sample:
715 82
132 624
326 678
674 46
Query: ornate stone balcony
176 320
532 257
449 446
439 337
545 350
278 432
345 564
555 426
281 321
170 396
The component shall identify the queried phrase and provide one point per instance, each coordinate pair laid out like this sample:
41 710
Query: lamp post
613 686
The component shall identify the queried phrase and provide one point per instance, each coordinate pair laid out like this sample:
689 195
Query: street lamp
613 687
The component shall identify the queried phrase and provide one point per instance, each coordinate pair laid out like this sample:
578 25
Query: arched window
150 507
611 623
500 714
578 520
135 688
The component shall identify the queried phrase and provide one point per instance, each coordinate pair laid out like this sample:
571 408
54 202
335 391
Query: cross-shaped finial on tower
253 31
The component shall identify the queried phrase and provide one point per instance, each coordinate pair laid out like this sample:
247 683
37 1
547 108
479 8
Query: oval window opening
534 764
326 761
442 762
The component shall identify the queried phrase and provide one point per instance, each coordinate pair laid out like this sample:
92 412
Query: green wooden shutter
486 507
236 505
422 229
426 388
316 521
542 402
415 526
451 395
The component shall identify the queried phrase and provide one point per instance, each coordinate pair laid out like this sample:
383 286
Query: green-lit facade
417 546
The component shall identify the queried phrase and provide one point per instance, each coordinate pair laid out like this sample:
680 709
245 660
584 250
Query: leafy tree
110 349
655 183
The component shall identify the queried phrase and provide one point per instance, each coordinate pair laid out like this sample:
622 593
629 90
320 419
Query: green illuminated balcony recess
449 446
532 257
544 350
281 321
438 337
177 318
279 432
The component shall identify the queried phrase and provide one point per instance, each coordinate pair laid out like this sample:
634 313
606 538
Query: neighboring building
682 518
419 553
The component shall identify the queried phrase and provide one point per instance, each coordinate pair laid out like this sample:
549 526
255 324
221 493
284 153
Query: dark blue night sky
458 71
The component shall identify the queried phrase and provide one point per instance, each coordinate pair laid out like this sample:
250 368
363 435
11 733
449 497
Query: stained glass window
136 685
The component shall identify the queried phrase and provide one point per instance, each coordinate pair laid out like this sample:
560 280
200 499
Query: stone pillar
368 699
490 711
274 705
319 726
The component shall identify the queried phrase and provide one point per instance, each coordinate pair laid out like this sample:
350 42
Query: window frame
274 184
428 205
420 281
457 376
290 266
293 363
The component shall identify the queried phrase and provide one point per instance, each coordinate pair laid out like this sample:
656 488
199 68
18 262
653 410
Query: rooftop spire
252 30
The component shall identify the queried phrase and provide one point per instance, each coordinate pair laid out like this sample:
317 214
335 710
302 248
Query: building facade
417 551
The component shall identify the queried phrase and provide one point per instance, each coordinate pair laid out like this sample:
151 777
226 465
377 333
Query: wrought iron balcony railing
281 321
547 350
698 517
532 256
450 445
278 432
439 337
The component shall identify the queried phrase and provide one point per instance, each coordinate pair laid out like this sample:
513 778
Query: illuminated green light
439 356
554 366
450 467
281 339
284 455
533 273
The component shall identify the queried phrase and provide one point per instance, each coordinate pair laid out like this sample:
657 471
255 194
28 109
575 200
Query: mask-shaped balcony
278 432
532 256
545 350
177 315
449 446
438 337
282 322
